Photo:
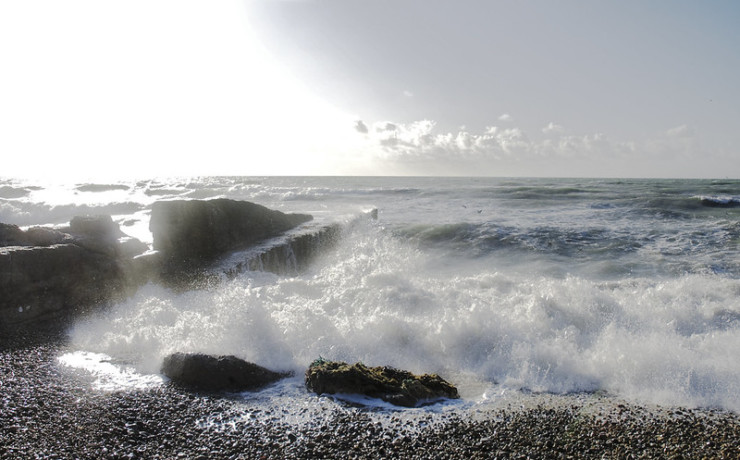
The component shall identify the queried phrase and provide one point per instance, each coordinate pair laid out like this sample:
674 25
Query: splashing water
381 301
500 285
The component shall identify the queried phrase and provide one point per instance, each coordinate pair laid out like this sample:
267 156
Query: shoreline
46 412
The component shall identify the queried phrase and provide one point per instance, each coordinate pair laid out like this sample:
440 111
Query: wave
160 192
381 301
683 207
542 192
26 214
95 188
480 239
613 251
720 201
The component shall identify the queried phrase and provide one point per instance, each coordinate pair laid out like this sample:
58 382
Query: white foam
381 302
107 375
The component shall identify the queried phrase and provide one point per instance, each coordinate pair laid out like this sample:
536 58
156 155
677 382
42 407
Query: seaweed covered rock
395 386
217 373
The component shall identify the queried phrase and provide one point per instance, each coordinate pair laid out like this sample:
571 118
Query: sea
506 287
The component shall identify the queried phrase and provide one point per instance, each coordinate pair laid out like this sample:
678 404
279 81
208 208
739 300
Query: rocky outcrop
12 235
395 386
285 255
217 373
292 252
46 272
190 234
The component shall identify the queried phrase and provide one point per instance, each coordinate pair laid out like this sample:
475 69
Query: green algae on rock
398 387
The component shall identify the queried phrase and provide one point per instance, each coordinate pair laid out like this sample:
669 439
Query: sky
145 88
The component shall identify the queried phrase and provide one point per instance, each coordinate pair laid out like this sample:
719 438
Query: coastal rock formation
217 373
46 271
395 386
193 233
49 272
292 253
287 255
12 235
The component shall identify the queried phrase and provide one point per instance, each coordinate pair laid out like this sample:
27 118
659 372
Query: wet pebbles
47 413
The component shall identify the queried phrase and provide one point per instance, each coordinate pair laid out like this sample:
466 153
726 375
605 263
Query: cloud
420 140
361 127
385 126
422 148
552 128
505 117
408 93
681 131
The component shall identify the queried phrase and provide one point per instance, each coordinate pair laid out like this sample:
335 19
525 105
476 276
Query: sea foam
380 300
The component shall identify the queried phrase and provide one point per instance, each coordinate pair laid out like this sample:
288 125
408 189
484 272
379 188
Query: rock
46 273
217 373
38 281
12 235
287 255
129 247
45 236
101 226
395 386
193 233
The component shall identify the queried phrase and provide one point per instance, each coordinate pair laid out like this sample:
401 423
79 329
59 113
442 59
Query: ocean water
505 287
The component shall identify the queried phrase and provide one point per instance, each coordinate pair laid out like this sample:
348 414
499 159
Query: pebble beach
47 412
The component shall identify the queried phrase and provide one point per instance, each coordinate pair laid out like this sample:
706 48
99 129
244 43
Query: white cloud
385 126
408 93
361 127
552 128
421 148
505 117
681 131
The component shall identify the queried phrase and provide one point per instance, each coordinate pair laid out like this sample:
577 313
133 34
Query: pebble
45 413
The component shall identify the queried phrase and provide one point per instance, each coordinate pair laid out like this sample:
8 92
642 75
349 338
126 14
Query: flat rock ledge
217 373
395 386
191 234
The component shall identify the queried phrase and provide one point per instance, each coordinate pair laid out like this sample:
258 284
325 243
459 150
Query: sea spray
381 300
501 285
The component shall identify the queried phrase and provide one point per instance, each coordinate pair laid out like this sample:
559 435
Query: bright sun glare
142 88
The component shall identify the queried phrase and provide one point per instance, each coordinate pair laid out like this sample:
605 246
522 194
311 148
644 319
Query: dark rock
12 235
45 272
95 226
129 247
217 373
96 234
193 233
37 281
45 236
395 386
285 255
292 253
